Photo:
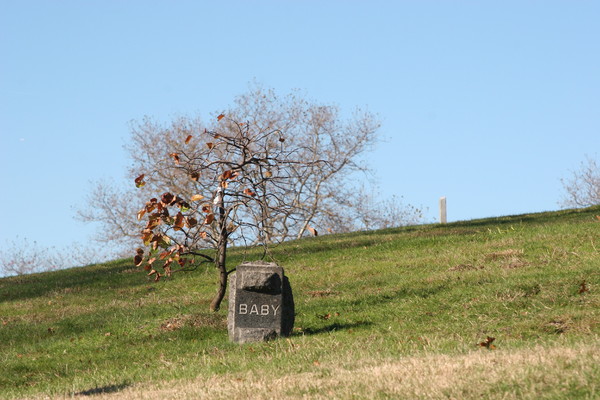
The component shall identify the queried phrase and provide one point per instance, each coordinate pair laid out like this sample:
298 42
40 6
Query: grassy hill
399 313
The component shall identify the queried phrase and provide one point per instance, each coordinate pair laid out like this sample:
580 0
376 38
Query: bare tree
325 196
22 256
582 189
242 177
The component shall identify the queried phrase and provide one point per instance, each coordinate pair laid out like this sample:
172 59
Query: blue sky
486 103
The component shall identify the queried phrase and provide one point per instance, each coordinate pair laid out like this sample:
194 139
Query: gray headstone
261 305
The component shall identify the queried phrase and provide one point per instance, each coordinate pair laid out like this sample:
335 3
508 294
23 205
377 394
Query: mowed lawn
400 313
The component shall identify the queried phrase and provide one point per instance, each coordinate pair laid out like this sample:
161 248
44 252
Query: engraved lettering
243 308
264 309
254 309
275 309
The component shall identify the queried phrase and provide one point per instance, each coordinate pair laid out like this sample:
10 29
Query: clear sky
486 103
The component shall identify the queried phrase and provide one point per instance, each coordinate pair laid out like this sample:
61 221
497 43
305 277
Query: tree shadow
103 390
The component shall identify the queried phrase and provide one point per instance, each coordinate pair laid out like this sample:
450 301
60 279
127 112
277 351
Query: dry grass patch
534 373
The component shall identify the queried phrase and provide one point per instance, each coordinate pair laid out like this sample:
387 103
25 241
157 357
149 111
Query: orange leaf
187 139
197 197
249 192
175 157
210 145
268 174
312 230
141 213
220 117
206 208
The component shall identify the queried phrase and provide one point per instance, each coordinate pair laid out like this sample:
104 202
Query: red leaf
187 139
179 222
488 343
139 181
583 288
249 192
226 175
191 222
209 219
210 145
220 117
167 198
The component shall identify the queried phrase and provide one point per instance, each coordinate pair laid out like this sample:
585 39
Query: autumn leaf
312 230
206 208
249 192
210 145
209 219
191 222
196 197
187 139
179 222
137 260
195 176
151 205
220 117
583 288
167 198
139 181
141 213
175 157
147 237
488 343
268 174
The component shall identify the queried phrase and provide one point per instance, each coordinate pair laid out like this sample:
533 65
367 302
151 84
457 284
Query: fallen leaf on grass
487 343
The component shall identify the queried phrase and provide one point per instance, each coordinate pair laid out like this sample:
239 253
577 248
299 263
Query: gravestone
261 305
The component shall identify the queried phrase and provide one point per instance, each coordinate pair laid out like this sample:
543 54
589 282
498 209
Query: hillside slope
402 312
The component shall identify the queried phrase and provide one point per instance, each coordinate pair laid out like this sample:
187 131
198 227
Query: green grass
396 313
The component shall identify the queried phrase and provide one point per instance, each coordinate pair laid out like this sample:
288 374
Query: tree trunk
221 258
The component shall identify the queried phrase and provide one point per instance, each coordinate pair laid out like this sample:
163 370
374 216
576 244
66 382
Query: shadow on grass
103 390
332 327
112 275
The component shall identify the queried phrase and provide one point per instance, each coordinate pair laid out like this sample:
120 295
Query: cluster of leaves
242 180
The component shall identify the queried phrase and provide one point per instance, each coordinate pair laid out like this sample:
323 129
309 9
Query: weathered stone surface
261 304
